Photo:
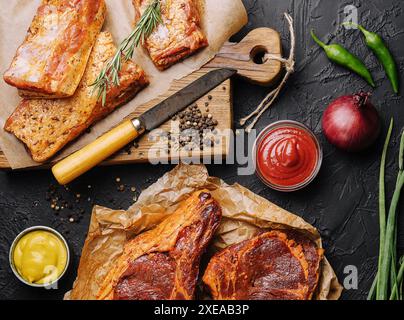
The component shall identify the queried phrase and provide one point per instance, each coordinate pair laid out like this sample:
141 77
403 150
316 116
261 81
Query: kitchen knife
88 157
242 58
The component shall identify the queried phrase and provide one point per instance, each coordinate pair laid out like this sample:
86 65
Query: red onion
351 123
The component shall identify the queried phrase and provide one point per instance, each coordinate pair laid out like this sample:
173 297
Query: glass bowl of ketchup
287 155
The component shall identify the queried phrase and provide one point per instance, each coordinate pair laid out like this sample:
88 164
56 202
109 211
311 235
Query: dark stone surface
341 203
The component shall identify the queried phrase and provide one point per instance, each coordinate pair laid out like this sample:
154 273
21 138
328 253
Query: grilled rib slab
178 36
46 125
52 59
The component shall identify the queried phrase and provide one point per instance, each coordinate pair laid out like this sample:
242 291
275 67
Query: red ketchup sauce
287 156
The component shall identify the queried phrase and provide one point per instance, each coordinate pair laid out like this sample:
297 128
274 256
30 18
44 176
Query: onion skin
351 123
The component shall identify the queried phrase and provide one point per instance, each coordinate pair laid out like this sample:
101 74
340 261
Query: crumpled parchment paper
243 214
220 20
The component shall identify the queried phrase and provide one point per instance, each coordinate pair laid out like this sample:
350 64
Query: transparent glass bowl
287 124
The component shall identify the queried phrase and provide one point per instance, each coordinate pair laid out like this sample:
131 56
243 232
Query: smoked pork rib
177 36
45 126
53 57
163 263
272 266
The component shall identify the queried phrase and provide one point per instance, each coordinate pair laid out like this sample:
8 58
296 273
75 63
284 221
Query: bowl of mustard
39 256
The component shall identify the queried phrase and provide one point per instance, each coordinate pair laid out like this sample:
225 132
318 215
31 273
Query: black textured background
341 203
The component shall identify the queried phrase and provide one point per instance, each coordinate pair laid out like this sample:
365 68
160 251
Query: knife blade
88 157
163 111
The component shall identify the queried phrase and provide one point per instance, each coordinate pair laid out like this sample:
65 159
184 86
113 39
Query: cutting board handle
246 56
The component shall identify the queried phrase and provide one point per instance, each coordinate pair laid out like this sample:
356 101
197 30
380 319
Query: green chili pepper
383 54
344 58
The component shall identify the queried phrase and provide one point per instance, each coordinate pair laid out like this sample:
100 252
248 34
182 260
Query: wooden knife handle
246 56
83 160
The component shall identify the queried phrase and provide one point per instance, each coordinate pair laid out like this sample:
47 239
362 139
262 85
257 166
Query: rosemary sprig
109 76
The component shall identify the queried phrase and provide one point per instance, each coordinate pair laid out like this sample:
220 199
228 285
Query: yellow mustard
40 257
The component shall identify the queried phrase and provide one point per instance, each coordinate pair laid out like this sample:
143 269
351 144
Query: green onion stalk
388 277
397 292
382 203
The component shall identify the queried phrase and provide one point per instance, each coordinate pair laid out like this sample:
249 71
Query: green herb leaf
109 76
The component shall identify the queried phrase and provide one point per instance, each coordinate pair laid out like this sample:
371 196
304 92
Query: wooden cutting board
245 57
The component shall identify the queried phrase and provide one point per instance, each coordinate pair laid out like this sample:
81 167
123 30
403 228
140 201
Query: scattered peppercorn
193 127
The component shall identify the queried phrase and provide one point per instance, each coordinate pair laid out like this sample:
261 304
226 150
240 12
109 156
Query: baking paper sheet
244 213
220 20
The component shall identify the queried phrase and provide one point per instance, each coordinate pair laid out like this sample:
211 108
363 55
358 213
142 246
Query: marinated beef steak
163 264
313 256
272 266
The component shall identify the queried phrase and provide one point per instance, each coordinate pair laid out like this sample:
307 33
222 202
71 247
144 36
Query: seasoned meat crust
163 263
272 266
179 35
52 59
46 126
